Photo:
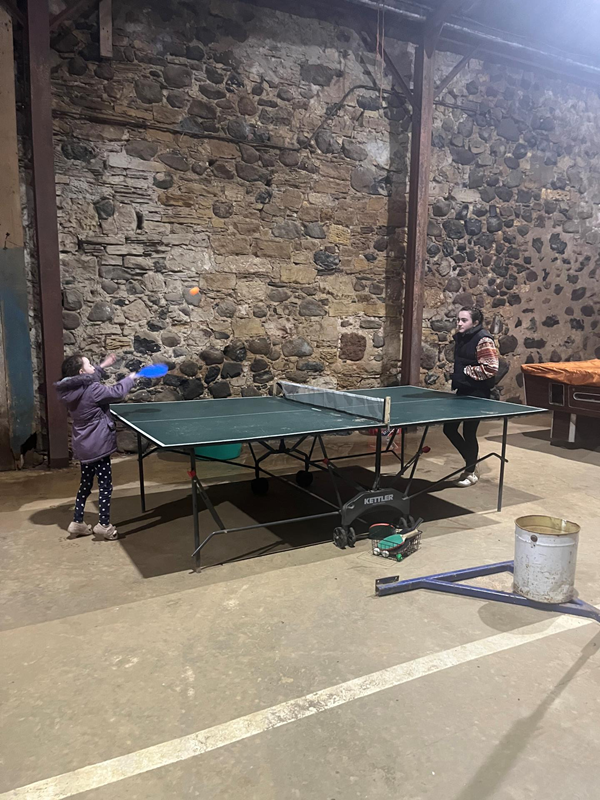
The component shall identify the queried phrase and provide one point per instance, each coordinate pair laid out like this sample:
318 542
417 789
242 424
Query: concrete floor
115 655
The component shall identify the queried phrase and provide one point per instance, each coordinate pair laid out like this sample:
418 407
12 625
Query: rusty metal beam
418 191
398 76
418 213
68 13
445 9
436 21
46 225
445 82
496 44
14 11
369 37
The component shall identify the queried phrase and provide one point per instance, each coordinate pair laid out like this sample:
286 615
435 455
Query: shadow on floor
491 775
540 439
160 541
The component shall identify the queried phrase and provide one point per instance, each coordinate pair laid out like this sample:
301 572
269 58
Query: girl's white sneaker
106 531
79 529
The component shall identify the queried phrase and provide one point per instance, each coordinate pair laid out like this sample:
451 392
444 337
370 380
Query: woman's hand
108 361
133 375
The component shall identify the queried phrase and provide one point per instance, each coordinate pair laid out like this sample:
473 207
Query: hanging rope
377 42
382 55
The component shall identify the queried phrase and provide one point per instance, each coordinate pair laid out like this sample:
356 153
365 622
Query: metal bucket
545 558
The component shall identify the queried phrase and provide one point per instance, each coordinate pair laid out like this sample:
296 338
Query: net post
387 410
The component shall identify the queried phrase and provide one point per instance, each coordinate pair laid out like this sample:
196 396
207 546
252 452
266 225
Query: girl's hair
475 313
72 365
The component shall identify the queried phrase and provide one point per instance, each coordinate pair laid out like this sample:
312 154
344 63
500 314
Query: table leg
141 472
416 459
502 463
377 481
403 447
197 555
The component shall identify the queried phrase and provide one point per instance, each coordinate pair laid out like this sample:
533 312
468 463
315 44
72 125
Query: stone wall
229 149
237 149
515 218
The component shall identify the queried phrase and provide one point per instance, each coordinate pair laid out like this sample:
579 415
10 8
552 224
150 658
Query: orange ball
195 290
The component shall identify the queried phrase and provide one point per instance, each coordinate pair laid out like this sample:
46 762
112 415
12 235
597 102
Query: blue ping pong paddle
153 371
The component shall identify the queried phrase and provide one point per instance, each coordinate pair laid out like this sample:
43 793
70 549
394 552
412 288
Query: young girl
476 363
94 436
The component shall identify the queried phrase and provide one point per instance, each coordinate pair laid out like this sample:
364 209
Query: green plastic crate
220 452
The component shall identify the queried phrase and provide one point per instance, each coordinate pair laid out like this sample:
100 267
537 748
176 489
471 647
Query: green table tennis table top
195 423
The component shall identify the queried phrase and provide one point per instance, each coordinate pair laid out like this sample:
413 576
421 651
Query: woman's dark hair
475 313
72 365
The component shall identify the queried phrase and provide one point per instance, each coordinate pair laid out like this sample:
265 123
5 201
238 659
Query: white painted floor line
195 744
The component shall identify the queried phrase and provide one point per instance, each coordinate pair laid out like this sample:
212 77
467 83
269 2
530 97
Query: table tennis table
294 424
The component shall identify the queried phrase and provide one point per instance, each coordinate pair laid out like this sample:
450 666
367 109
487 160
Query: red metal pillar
418 192
418 210
46 224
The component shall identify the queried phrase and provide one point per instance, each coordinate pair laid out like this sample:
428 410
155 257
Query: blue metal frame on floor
448 583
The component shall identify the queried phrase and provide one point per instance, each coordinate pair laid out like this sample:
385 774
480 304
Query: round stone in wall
177 77
220 389
222 209
297 347
194 389
311 308
189 368
72 300
148 91
260 346
212 356
231 369
145 343
71 320
236 351
212 373
101 312
352 346
227 308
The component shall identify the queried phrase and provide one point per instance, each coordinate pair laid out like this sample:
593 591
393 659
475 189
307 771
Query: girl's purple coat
87 400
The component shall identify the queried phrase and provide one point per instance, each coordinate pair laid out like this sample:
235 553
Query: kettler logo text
382 498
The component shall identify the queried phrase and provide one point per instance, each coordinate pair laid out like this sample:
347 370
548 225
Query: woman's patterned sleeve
487 357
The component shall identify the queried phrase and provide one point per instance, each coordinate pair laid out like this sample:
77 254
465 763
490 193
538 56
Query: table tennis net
372 408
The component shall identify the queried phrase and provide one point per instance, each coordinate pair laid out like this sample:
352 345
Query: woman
475 366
